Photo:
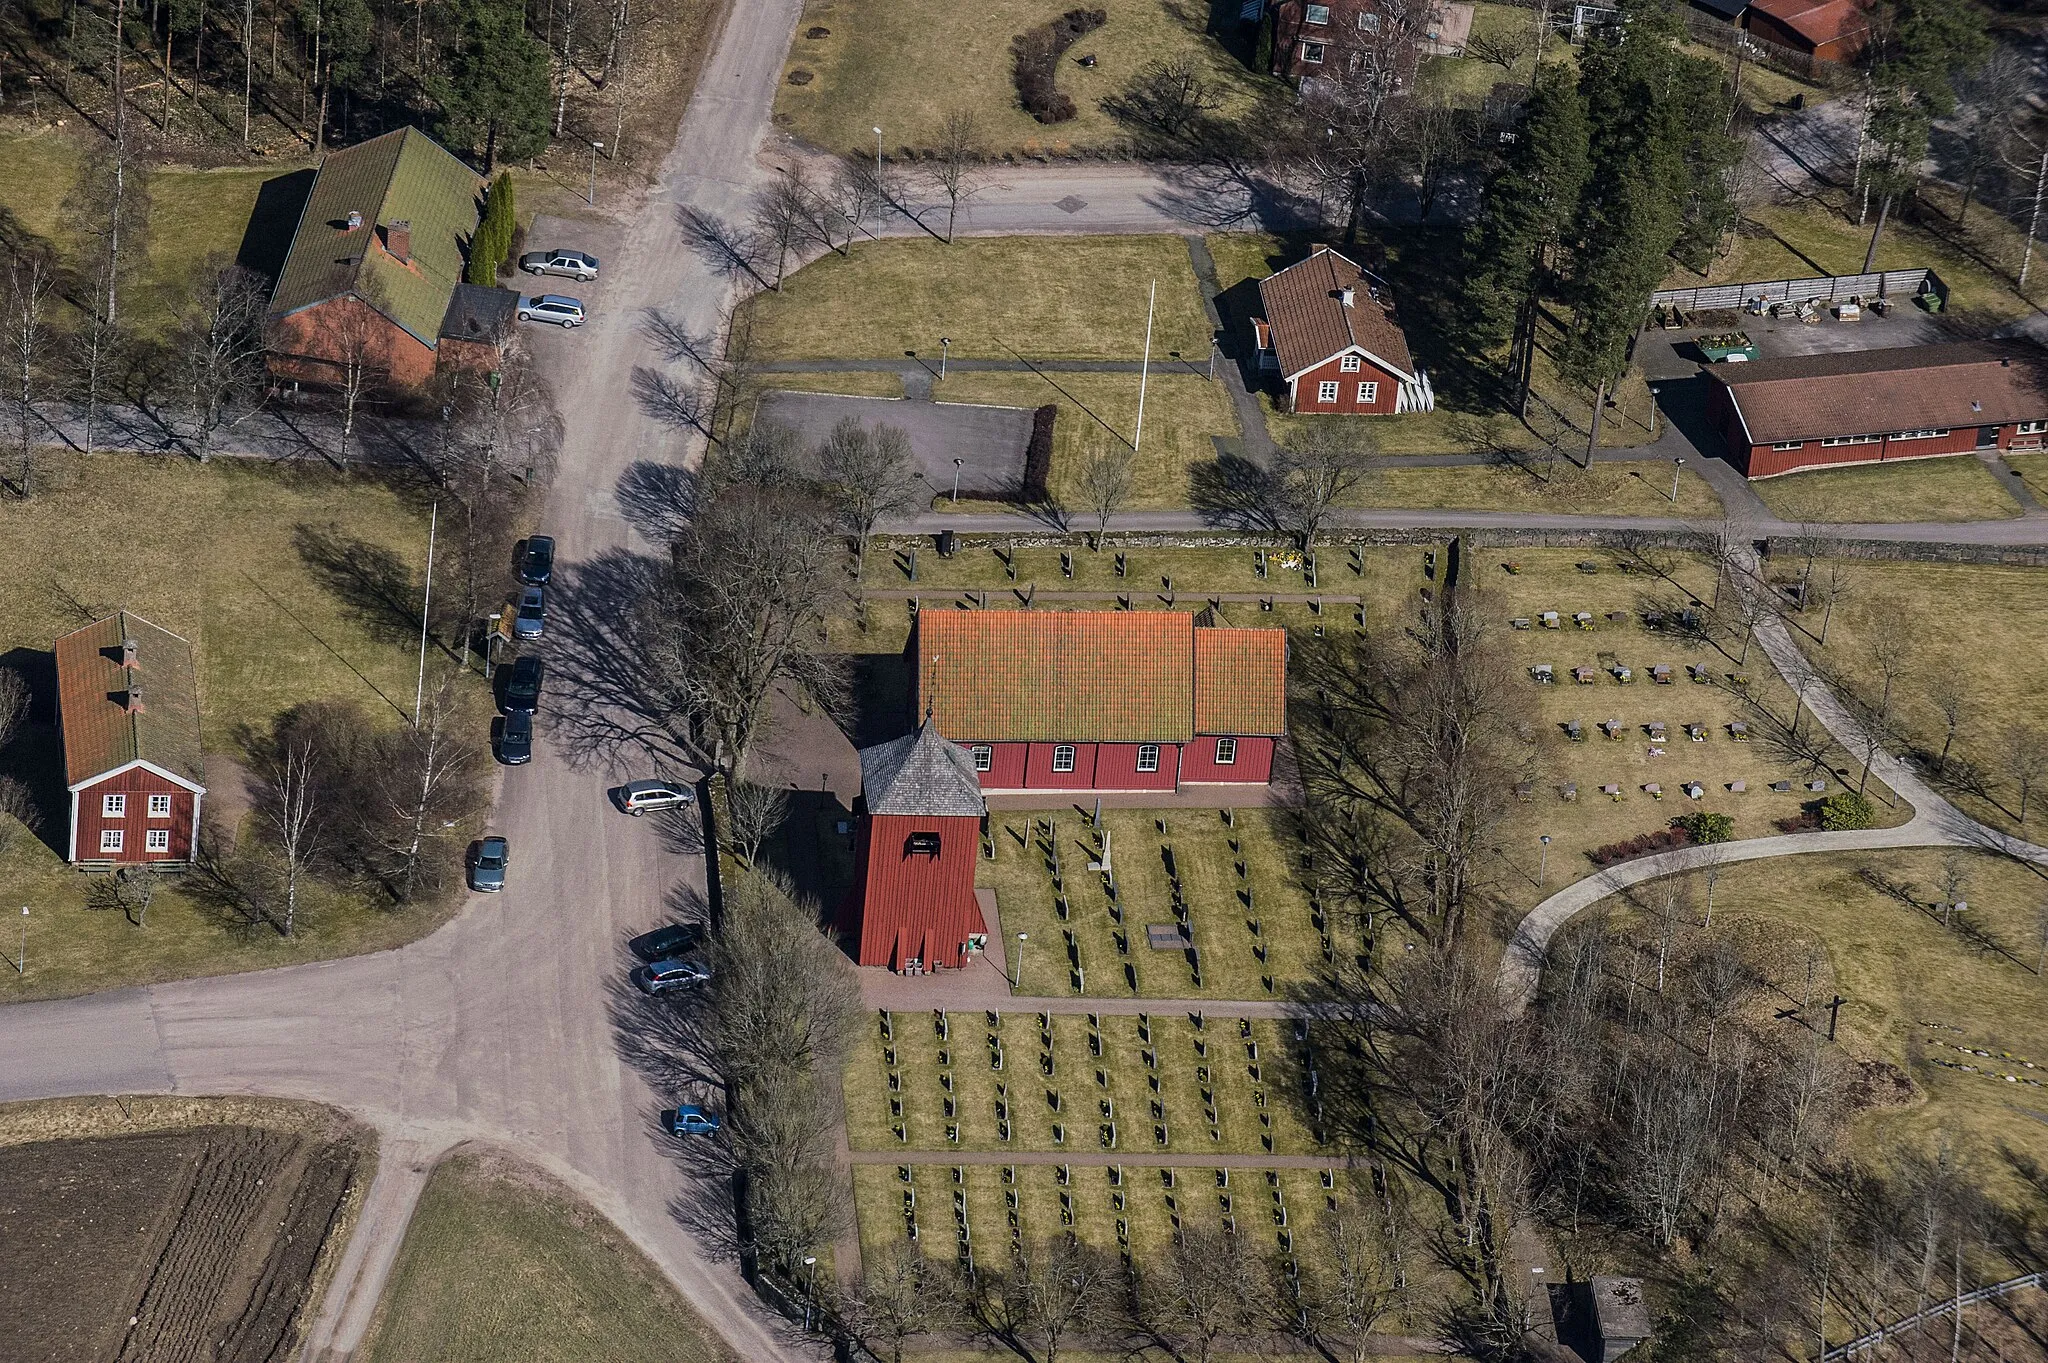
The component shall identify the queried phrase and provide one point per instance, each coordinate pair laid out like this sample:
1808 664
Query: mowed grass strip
1002 298
1634 488
500 1262
1955 488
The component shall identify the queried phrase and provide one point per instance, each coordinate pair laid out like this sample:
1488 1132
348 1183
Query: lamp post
957 462
810 1287
23 967
945 348
591 197
497 619
1015 984
1676 465
878 156
1543 861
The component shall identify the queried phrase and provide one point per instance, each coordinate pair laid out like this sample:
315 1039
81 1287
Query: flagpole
419 694
1145 368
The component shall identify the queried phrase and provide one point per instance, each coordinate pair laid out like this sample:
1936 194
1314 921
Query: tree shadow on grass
1234 493
373 583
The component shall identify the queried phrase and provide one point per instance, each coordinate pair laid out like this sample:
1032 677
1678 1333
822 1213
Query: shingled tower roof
920 773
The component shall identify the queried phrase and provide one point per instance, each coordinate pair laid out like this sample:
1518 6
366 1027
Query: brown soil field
174 1246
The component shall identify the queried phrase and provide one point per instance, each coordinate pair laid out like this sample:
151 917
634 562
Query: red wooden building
1312 39
1330 335
1827 30
919 835
1103 700
128 702
1871 406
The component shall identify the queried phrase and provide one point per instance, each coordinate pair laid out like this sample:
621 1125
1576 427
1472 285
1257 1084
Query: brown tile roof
1875 392
92 687
1093 676
1305 307
1240 681
1817 21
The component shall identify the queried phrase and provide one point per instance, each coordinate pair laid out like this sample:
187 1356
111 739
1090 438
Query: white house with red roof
1330 334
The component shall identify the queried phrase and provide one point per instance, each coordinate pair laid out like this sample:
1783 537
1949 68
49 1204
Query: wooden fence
1894 284
1935 1312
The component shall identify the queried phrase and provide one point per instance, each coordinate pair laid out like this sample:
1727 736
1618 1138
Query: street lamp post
1676 465
878 156
1017 983
810 1287
591 197
957 462
1543 861
23 967
497 619
945 349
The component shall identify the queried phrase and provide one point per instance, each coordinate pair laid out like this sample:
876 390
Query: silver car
580 265
532 618
552 307
641 797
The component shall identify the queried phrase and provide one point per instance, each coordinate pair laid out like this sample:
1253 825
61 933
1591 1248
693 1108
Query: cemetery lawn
1000 298
1958 488
1994 665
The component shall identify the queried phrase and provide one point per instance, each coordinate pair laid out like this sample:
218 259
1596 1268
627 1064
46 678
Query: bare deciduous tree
426 785
220 348
31 284
905 1295
14 698
1945 692
1316 469
1347 1281
1054 1288
753 812
1208 1286
1105 484
355 335
955 169
296 817
868 474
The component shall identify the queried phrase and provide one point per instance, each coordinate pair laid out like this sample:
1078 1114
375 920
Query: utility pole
1145 368
419 694
248 62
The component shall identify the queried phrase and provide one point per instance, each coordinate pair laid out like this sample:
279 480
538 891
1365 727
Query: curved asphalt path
1935 823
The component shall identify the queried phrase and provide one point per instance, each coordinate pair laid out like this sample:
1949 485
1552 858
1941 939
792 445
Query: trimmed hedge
1847 810
492 240
1643 845
1038 455
1036 54
1704 827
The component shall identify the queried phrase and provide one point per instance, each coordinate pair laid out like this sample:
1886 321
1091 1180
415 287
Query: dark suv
537 560
523 683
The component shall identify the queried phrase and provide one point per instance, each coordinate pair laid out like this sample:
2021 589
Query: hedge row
1037 55
1663 840
492 241
1038 455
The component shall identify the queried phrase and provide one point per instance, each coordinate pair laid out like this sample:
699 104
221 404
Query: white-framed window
1226 752
159 806
1312 53
2030 428
1368 22
1369 391
1919 435
1326 391
113 806
110 840
984 757
1317 14
1849 440
1063 757
1349 364
157 840
1148 757
1789 445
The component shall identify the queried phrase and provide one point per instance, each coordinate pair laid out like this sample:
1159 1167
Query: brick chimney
398 240
133 704
130 654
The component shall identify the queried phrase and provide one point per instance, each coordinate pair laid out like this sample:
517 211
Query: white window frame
984 757
1326 391
157 840
1312 53
110 840
1315 14
159 806
1226 752
1349 364
1788 445
1148 757
113 806
1833 440
2030 428
1368 22
1919 435
1369 391
1063 757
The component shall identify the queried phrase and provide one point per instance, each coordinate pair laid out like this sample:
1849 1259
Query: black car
664 942
537 560
522 685
515 738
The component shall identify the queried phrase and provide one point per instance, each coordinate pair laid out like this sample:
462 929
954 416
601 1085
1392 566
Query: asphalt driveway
987 442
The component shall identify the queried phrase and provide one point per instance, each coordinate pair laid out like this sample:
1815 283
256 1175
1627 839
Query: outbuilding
1329 333
1871 406
917 838
128 706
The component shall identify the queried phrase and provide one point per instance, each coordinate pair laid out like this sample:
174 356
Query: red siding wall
1761 461
1116 768
138 784
914 906
1307 390
1254 765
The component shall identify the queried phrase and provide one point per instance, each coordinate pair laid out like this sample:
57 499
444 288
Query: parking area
986 442
1675 354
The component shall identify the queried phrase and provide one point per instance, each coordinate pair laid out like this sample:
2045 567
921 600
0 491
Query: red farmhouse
1827 30
1867 406
1330 334
913 907
129 704
1103 700
1314 39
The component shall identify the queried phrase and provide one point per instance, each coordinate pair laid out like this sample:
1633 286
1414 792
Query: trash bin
946 545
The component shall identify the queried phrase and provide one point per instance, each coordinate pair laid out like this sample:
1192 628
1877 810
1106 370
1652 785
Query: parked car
552 307
640 797
515 738
690 1120
487 862
532 618
522 684
666 943
536 560
658 977
573 264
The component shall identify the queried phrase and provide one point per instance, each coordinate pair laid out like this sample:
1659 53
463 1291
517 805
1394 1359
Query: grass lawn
880 63
1961 488
1041 298
1633 488
1466 81
216 557
1184 416
1982 627
501 1262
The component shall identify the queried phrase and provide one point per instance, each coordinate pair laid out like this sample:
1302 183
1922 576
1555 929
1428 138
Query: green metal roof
403 176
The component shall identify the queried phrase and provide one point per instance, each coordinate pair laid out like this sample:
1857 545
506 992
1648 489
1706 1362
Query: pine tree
497 85
493 237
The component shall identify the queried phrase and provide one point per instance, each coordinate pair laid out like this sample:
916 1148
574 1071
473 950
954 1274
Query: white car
574 264
552 307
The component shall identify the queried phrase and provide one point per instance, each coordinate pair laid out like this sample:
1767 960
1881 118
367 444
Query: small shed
1621 1318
